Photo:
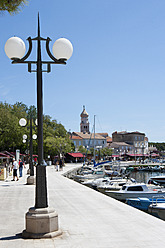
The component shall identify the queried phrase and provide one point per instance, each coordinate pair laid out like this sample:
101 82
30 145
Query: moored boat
158 179
114 184
143 203
136 190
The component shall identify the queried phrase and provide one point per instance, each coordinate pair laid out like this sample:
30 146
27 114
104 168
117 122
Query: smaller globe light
24 141
36 122
34 136
15 48
62 49
24 136
22 122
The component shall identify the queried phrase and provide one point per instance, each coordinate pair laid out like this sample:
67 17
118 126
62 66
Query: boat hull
122 196
143 203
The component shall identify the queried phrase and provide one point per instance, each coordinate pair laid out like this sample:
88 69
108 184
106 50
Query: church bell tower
84 124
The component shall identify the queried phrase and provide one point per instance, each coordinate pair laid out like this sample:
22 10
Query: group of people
17 165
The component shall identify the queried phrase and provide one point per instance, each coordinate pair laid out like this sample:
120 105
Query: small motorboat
158 179
136 190
114 184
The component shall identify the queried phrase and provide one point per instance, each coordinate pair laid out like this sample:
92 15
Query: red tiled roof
75 137
109 139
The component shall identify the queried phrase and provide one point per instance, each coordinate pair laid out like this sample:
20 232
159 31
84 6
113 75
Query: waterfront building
88 140
130 142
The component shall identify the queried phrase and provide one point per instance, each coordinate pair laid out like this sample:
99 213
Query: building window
135 137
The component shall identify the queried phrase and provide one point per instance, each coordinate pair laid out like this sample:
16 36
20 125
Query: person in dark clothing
60 164
20 167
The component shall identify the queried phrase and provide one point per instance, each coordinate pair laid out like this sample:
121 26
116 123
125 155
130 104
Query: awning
76 154
137 155
4 155
8 153
155 155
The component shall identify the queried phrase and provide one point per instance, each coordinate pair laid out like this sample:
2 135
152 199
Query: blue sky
117 69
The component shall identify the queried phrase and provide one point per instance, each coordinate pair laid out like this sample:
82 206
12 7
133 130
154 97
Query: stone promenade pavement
88 219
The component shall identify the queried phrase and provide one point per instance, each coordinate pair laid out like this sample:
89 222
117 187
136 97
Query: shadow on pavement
17 236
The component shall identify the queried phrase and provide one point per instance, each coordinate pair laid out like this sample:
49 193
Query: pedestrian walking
15 168
60 164
20 167
57 166
35 161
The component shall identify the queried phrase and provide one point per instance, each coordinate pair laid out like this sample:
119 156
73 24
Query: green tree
106 151
57 145
56 138
11 132
82 149
12 6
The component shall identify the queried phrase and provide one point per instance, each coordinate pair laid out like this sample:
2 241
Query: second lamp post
23 123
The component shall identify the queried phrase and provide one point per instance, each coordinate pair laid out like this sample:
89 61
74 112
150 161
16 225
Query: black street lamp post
62 50
23 123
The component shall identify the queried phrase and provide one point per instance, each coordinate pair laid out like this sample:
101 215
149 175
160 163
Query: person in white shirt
15 168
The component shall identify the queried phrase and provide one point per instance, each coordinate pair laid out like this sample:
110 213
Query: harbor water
143 177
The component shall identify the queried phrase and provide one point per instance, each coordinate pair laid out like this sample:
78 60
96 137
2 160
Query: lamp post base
41 223
31 180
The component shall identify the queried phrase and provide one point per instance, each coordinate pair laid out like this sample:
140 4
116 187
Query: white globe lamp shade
24 136
24 141
36 122
62 49
22 122
15 48
34 136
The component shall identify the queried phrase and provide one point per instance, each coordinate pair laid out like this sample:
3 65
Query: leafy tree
57 145
91 151
56 139
159 146
11 135
12 6
82 149
106 151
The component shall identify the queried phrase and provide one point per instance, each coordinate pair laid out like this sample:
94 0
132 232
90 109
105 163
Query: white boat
136 190
157 209
91 176
93 183
114 184
158 179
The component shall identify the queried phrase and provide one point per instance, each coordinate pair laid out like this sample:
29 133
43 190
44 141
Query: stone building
134 142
